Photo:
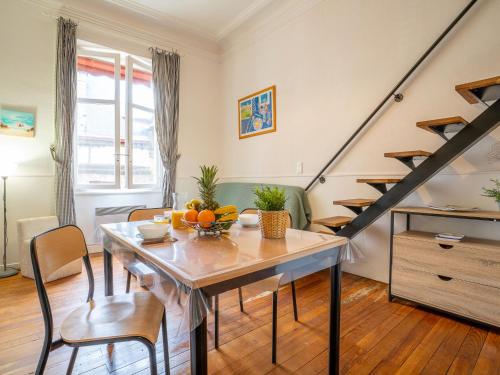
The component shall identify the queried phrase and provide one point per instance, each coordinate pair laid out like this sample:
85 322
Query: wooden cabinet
462 278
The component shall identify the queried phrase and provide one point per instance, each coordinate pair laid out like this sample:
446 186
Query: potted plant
493 192
271 210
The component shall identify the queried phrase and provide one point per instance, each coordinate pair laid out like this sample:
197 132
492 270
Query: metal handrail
397 97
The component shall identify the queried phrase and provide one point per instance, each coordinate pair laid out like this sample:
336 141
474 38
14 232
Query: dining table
200 267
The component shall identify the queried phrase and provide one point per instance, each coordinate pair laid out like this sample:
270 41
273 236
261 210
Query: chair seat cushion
114 317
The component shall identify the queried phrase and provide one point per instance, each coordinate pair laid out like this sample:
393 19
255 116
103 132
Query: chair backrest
49 252
56 248
146 213
254 211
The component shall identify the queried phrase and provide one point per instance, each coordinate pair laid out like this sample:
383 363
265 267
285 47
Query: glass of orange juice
176 219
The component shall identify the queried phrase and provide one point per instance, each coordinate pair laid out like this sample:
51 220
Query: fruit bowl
214 228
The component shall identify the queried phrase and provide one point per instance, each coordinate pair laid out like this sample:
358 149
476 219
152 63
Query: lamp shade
7 168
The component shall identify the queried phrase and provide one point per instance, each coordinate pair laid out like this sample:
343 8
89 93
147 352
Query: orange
206 218
191 216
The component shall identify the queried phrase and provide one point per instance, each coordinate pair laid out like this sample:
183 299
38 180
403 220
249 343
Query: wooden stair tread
407 154
429 124
379 180
355 202
465 89
334 221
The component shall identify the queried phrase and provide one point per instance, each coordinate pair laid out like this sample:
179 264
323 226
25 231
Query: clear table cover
188 306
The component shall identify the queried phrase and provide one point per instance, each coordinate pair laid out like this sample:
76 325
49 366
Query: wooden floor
377 337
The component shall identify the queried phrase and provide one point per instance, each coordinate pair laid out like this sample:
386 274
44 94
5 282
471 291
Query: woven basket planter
273 223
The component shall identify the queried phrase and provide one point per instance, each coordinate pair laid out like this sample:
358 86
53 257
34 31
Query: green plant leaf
270 199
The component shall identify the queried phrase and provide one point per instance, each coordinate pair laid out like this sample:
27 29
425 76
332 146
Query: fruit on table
228 217
207 184
226 210
206 218
191 215
193 204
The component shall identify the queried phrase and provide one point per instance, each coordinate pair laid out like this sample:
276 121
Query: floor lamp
6 170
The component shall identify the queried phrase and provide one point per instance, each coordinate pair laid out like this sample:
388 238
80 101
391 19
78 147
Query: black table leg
335 289
391 244
199 355
108 273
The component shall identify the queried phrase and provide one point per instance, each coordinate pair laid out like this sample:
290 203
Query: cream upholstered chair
139 215
29 228
126 317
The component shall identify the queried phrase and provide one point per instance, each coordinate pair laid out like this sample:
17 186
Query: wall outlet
299 167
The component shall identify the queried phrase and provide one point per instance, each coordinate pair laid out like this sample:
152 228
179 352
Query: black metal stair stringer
461 142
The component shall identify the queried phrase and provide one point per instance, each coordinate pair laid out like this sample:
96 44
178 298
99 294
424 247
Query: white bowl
249 220
150 231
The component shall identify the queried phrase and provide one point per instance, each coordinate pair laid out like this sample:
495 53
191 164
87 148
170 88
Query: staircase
458 135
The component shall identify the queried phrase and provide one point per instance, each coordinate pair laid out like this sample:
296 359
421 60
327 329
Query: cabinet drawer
475 264
476 301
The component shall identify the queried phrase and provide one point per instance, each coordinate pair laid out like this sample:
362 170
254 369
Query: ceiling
213 19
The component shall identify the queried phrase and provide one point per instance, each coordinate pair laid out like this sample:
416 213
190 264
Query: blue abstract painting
17 122
257 113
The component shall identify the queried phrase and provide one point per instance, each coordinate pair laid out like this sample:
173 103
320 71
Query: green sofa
241 195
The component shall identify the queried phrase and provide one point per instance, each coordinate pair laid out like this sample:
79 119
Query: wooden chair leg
216 322
152 358
240 296
72 360
294 298
165 343
275 324
129 276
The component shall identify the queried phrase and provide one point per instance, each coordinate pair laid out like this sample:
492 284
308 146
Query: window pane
143 147
142 88
95 143
96 78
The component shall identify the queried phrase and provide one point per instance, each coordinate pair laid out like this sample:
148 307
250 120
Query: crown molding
136 7
236 35
147 38
279 14
241 18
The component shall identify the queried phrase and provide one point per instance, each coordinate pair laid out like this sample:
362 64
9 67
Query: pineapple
206 186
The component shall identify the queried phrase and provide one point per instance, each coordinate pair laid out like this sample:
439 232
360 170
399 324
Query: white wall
27 76
332 62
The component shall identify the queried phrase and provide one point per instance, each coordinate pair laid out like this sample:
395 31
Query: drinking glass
179 201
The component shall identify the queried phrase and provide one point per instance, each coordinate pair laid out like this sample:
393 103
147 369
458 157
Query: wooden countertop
479 215
201 261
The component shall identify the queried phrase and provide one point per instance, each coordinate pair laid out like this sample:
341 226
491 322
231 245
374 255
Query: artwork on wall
17 121
257 113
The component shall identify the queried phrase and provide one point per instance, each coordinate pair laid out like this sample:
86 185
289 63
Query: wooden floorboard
377 337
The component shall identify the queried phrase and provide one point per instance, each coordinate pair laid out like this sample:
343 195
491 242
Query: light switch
299 167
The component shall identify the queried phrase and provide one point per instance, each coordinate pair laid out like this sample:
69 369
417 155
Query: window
115 136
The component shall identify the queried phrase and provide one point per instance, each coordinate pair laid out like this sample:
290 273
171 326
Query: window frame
129 71
128 133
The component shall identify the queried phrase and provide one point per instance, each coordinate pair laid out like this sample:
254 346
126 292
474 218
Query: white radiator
106 215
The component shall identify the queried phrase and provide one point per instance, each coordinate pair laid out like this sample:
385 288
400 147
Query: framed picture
17 121
257 113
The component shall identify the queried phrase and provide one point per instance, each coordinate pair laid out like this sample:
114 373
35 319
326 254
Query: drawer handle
445 246
445 278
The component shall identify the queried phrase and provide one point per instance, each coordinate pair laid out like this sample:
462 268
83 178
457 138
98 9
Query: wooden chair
141 214
126 317
275 300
